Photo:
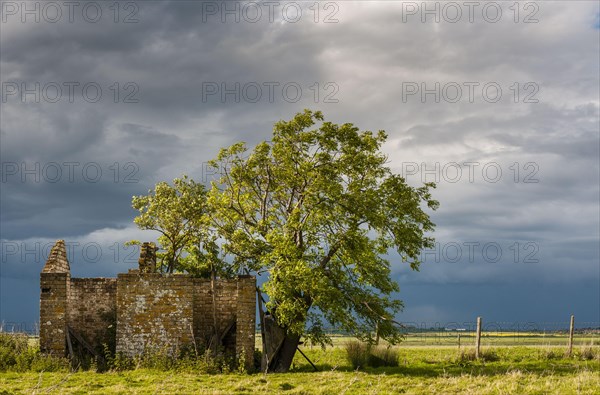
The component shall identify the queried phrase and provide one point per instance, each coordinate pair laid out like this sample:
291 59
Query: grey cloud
368 54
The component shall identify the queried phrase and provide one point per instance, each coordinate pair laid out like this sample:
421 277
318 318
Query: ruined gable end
54 286
57 260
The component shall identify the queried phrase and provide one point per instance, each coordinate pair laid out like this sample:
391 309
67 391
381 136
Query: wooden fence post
571 330
459 342
478 338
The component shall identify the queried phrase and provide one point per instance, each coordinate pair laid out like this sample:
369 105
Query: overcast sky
498 103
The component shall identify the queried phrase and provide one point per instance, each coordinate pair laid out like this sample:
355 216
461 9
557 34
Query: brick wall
246 317
153 310
225 297
149 310
165 310
92 312
57 261
236 304
53 312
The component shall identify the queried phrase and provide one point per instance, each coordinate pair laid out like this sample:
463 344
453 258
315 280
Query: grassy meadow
421 367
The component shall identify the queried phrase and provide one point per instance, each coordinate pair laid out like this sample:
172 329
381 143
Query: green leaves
179 212
317 209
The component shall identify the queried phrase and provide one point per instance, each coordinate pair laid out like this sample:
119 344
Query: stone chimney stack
147 261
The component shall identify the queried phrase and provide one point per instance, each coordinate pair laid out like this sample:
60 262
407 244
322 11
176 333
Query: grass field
491 339
422 369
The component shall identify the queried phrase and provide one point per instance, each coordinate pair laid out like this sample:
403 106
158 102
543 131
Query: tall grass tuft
361 355
588 353
550 354
383 356
485 355
357 353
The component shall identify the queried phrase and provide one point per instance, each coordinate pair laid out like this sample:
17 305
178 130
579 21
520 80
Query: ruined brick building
143 308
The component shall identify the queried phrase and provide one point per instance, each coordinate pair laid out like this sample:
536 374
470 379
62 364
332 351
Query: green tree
318 210
179 213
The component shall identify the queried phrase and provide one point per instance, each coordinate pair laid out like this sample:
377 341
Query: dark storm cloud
176 49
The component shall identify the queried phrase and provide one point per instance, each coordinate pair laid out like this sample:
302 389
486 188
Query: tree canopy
318 210
179 212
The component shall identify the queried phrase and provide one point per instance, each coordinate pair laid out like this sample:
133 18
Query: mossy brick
144 307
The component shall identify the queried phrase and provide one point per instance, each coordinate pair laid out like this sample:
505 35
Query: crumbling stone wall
53 312
236 311
147 261
54 283
225 298
149 309
153 310
92 310
57 260
170 311
246 318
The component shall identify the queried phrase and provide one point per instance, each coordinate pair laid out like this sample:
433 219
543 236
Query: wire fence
502 333
29 328
493 333
446 334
